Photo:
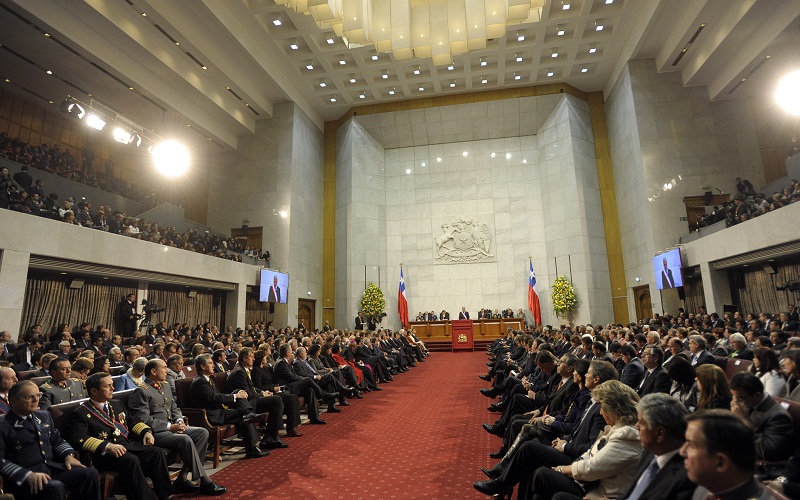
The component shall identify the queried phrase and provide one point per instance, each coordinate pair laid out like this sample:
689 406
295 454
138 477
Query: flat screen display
668 269
274 286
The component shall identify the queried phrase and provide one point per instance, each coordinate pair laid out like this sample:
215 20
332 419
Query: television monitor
668 269
274 286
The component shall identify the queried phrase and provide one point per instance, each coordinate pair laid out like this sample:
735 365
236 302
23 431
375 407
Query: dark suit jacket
632 373
667 281
658 381
203 394
745 353
262 378
705 358
463 315
774 430
25 446
274 294
560 398
283 374
670 483
585 433
359 323
238 379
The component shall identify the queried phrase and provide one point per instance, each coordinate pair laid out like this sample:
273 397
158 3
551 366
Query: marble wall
529 175
277 169
663 133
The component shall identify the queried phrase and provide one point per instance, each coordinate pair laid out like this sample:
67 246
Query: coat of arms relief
464 240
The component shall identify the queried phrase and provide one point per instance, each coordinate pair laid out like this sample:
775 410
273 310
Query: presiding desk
482 329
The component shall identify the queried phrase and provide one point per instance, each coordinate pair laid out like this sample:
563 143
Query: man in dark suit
274 291
328 381
656 379
8 347
740 349
667 281
634 369
283 374
360 321
675 350
153 404
661 474
24 179
773 426
697 346
99 427
23 356
37 463
263 401
127 315
463 314
224 408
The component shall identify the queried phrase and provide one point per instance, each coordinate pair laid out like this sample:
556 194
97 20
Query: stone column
13 276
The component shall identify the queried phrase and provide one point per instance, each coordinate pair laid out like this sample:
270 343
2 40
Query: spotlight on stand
95 122
136 140
121 135
72 109
171 158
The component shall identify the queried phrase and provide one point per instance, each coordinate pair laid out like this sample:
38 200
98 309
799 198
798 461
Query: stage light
786 94
121 135
95 122
136 140
171 158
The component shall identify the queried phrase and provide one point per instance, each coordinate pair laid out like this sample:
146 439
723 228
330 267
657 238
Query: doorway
306 313
644 306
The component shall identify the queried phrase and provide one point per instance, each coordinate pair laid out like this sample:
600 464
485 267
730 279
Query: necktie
105 408
649 474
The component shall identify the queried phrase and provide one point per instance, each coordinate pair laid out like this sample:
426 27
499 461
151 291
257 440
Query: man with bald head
8 378
9 348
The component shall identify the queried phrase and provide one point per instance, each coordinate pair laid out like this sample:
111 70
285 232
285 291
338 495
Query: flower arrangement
563 295
373 304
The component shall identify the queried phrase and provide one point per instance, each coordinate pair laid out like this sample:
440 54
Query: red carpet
418 438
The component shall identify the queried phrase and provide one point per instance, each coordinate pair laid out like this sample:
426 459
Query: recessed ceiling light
51 102
385 74
277 21
554 54
422 88
452 85
484 80
518 58
598 25
560 31
49 72
293 45
483 61
493 155
592 50
362 96
391 91
550 73
408 170
353 79
323 84
204 67
524 160
342 62
416 70
465 153
333 99
508 156
520 36
439 160
609 2
584 70
330 40
374 57
424 164
8 81
47 34
177 43
309 65
517 76
565 5
451 67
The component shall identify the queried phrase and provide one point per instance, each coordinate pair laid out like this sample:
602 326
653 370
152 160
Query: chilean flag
533 297
402 303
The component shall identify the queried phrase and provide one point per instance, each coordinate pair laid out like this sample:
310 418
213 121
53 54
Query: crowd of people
267 370
647 410
483 313
23 195
748 204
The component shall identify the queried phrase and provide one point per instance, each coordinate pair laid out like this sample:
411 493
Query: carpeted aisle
418 438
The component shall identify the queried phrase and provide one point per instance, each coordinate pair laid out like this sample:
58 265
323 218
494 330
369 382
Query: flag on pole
533 297
402 303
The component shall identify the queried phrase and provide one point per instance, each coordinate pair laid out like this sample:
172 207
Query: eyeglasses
32 397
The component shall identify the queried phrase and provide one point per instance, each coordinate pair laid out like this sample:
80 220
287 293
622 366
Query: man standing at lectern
274 291
463 314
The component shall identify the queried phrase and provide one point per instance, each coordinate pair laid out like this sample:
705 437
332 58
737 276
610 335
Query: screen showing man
667 269
274 286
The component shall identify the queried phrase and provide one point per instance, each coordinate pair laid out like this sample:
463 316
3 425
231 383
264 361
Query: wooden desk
482 329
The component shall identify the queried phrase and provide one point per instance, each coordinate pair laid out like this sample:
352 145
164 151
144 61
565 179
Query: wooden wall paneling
17 106
13 130
37 119
5 104
27 114
329 224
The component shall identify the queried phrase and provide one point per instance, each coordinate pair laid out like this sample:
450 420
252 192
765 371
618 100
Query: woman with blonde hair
607 469
713 389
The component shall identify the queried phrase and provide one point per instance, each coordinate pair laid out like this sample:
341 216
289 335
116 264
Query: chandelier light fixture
438 29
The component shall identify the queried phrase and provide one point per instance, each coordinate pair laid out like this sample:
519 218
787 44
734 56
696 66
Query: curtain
256 310
754 290
50 302
693 288
180 308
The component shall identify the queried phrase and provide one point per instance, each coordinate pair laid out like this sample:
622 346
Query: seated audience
767 367
713 390
773 426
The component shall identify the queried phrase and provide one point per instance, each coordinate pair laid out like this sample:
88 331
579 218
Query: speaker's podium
462 335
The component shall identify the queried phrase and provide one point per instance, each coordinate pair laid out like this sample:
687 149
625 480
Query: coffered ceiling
208 69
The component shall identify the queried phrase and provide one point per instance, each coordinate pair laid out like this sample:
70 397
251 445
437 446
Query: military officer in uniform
153 404
36 462
60 388
99 426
